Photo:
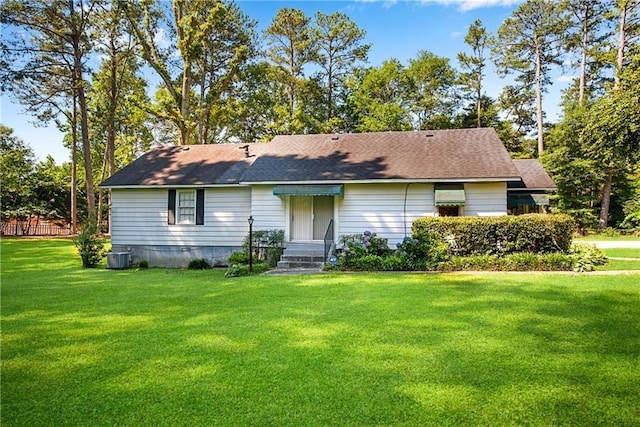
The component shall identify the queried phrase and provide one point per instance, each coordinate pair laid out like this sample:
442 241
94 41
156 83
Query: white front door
322 215
301 218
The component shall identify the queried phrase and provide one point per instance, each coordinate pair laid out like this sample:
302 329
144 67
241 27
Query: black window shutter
199 207
171 210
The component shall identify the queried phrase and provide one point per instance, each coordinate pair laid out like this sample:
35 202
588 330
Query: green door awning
449 195
526 199
308 190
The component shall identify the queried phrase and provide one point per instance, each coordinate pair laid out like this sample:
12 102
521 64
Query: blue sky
396 29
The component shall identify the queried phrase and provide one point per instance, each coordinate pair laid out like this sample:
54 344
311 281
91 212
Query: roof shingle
442 154
416 155
184 165
533 175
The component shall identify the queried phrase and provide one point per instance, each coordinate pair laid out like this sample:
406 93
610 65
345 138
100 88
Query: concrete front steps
302 255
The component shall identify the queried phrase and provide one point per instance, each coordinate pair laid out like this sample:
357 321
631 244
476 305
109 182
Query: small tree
89 245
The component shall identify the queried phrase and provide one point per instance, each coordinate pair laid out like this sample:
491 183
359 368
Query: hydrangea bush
369 252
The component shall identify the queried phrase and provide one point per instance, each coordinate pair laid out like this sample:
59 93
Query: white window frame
186 207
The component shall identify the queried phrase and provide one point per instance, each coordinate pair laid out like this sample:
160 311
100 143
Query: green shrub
423 251
524 261
199 264
273 255
473 263
354 250
89 245
239 258
239 270
610 232
533 233
393 263
143 264
265 245
631 221
369 263
368 252
585 220
586 257
512 262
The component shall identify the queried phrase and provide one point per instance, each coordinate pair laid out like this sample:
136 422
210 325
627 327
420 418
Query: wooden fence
41 229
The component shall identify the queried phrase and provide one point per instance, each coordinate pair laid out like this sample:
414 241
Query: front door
322 215
310 216
301 217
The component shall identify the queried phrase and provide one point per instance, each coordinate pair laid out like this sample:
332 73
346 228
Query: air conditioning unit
118 260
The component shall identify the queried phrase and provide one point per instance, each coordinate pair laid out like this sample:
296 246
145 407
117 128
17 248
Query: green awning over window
308 190
526 199
449 195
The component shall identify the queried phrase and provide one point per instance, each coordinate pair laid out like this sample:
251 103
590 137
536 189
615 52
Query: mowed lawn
175 347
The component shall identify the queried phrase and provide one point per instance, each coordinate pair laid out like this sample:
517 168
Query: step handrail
328 239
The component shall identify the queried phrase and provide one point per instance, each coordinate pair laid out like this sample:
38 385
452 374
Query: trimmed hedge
534 233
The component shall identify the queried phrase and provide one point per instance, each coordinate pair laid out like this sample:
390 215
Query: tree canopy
132 74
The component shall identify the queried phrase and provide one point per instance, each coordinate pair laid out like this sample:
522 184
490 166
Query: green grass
594 237
632 261
175 347
622 252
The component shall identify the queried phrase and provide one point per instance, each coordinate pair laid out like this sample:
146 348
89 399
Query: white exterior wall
485 199
380 208
139 217
269 211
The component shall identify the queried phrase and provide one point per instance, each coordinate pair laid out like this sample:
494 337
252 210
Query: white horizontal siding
269 211
386 209
139 217
485 199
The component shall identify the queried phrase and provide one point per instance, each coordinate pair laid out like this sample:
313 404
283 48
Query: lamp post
250 244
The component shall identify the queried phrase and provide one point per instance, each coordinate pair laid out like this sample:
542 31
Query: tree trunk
78 84
583 60
606 191
86 151
185 104
74 165
479 101
621 44
606 201
539 117
330 84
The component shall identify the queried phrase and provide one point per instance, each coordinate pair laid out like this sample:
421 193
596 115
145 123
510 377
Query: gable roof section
215 164
534 176
417 155
436 156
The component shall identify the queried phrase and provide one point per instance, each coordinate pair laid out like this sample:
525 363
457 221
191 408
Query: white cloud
565 79
466 5
160 38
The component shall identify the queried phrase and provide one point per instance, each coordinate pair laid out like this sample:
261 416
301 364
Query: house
174 204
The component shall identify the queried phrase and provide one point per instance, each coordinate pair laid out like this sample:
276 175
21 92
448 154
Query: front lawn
177 347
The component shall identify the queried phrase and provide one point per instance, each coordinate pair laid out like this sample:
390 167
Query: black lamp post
250 244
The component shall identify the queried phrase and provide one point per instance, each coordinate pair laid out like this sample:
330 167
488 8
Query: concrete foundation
176 256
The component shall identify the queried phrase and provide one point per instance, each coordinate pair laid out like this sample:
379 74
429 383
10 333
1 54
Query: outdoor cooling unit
118 260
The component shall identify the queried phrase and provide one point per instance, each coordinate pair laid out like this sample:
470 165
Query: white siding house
140 226
386 209
175 204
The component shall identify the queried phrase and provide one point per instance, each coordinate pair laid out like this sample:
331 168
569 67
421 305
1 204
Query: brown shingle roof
442 154
421 155
184 165
533 176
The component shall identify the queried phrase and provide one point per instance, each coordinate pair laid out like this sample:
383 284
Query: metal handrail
328 239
